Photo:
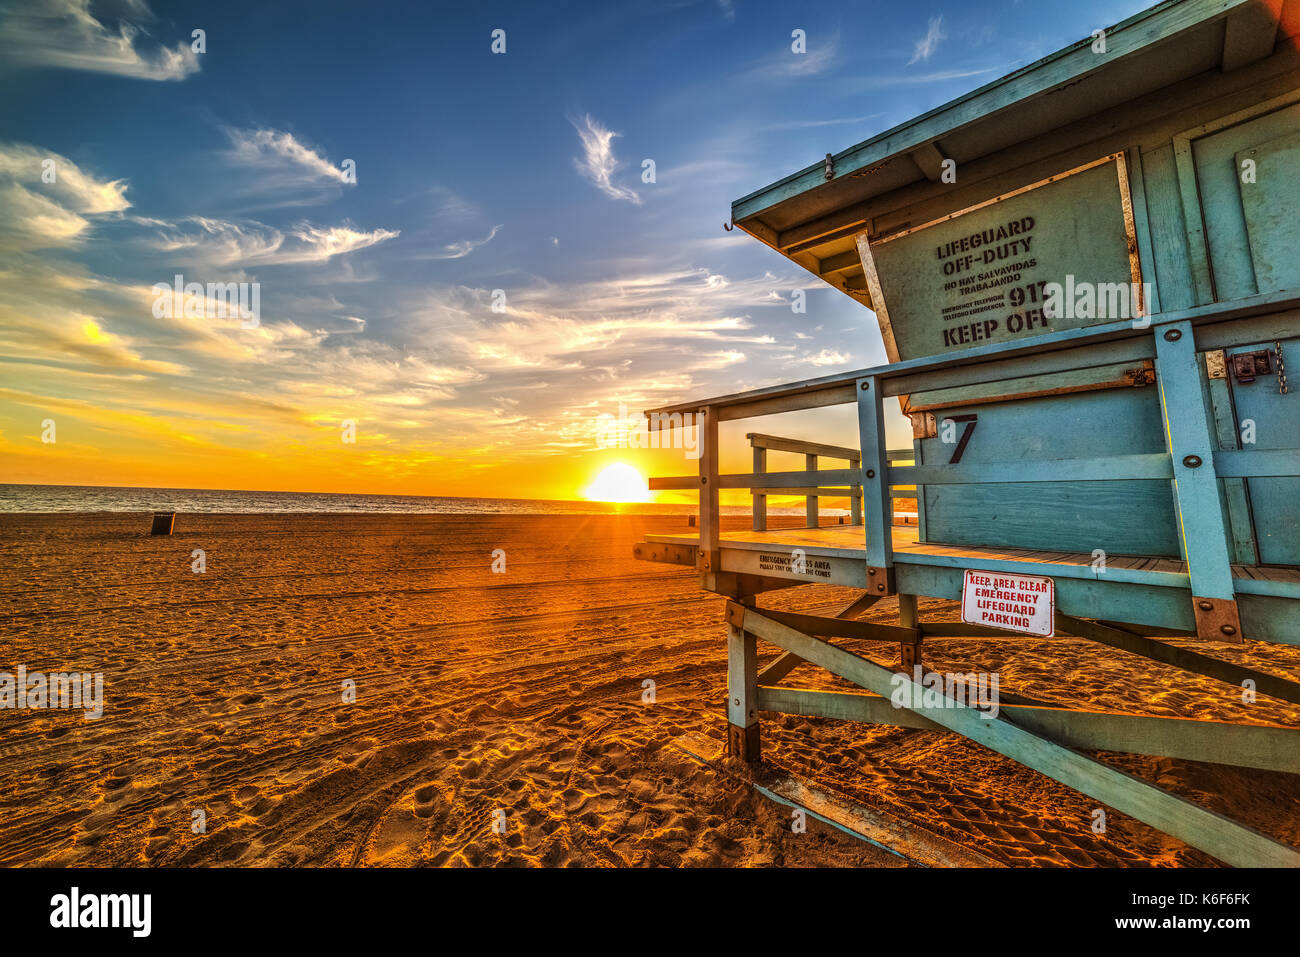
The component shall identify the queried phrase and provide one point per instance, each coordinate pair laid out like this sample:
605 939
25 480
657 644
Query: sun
618 483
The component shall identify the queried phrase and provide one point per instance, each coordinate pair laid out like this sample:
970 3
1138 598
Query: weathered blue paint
1101 456
878 508
1191 447
1271 420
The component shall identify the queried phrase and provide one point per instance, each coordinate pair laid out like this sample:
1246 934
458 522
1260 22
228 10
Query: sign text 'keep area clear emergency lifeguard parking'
1022 603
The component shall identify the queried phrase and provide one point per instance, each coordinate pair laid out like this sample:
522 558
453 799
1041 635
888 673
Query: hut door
1245 177
1272 419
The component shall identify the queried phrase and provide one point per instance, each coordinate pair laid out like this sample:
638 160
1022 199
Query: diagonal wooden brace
1222 838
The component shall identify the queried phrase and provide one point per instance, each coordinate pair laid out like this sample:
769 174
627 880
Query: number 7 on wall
970 420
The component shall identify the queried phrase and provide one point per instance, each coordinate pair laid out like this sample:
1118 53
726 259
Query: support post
855 495
877 505
760 498
742 692
810 463
909 651
1196 487
708 559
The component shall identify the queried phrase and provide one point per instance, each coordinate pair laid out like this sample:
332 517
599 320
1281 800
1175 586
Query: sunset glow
618 483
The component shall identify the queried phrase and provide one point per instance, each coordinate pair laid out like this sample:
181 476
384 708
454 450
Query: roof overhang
812 219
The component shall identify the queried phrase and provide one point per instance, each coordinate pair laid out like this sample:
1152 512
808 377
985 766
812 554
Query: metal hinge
924 425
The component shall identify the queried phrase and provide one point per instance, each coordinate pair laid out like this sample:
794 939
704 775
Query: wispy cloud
885 81
826 357
926 46
813 124
461 249
219 242
36 214
63 34
276 149
597 162
785 64
448 205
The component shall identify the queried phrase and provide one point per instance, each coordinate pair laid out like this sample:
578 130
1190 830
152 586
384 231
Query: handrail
761 443
780 444
1144 466
812 483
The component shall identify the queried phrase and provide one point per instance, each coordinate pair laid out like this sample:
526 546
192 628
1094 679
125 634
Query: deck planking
847 541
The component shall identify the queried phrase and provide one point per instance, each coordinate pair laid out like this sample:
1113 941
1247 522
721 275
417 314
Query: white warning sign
1023 603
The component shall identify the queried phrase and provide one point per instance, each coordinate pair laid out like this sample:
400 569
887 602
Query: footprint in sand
426 800
116 789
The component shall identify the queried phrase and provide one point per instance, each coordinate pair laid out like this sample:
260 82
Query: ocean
95 498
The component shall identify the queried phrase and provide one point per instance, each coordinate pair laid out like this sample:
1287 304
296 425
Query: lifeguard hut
1087 281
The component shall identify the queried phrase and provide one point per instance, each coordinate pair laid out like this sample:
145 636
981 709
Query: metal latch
1247 365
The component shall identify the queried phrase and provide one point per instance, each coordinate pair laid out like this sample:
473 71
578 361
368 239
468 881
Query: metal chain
1281 368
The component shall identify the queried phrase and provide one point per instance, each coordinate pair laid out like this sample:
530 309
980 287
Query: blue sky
475 172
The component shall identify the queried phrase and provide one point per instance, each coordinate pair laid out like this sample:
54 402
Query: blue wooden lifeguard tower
1087 282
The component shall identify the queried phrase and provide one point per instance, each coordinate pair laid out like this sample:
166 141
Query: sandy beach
511 697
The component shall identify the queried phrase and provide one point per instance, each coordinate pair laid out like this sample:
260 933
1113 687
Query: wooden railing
813 452
1172 340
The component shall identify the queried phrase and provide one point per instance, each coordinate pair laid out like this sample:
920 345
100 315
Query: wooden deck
848 541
